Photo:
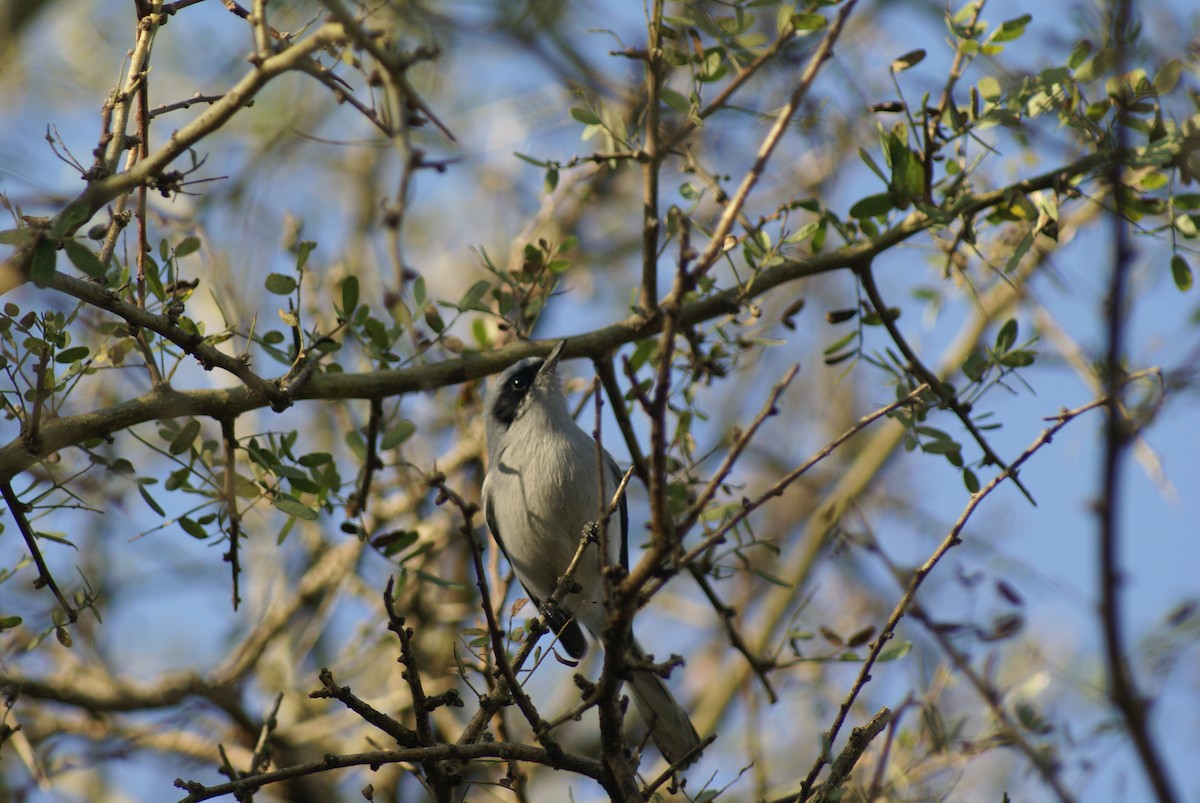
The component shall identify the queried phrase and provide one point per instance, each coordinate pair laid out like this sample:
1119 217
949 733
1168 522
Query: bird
541 489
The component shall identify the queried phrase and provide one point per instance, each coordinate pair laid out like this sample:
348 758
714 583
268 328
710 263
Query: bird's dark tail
670 725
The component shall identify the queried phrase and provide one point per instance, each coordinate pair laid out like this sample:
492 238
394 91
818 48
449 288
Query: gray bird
540 491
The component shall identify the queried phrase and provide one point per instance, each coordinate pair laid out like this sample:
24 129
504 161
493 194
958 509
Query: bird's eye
518 383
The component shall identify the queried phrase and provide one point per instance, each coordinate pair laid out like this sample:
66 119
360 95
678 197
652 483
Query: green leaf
280 284
152 278
808 22
398 434
72 354
531 160
188 245
157 508
470 299
41 270
975 366
872 206
944 447
9 622
1167 77
1007 335
871 163
70 219
772 579
294 507
349 295
1081 51
82 257
313 459
675 101
585 116
192 528
910 59
897 649
908 177
15 236
303 249
1181 272
1011 29
1019 358
1018 253
185 437
971 481
841 343
878 318
395 542
58 538
989 88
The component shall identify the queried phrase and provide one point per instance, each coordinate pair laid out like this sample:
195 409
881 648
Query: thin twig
758 665
718 536
262 750
330 690
716 244
616 400
32 424
229 437
922 372
768 410
860 739
1043 763
17 508
357 504
933 120
422 706
413 755
952 539
651 164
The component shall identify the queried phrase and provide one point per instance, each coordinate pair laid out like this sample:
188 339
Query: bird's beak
551 364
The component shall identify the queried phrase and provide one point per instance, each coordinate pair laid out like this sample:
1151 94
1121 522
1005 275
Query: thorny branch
824 51
1118 434
421 755
229 490
952 539
922 372
748 507
69 430
17 508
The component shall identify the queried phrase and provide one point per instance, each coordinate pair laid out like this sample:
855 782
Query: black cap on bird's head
520 382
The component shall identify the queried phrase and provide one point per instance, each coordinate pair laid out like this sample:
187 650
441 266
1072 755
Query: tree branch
166 403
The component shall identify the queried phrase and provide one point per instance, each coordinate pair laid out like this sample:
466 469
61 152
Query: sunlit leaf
294 507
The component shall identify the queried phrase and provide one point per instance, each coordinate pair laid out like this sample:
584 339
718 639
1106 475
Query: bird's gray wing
568 631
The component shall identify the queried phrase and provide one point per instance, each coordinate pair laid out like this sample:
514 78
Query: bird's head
524 385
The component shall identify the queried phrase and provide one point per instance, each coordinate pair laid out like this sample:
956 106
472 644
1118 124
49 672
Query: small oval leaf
1181 272
280 284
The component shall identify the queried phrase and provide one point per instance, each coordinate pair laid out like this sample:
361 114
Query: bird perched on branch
543 488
